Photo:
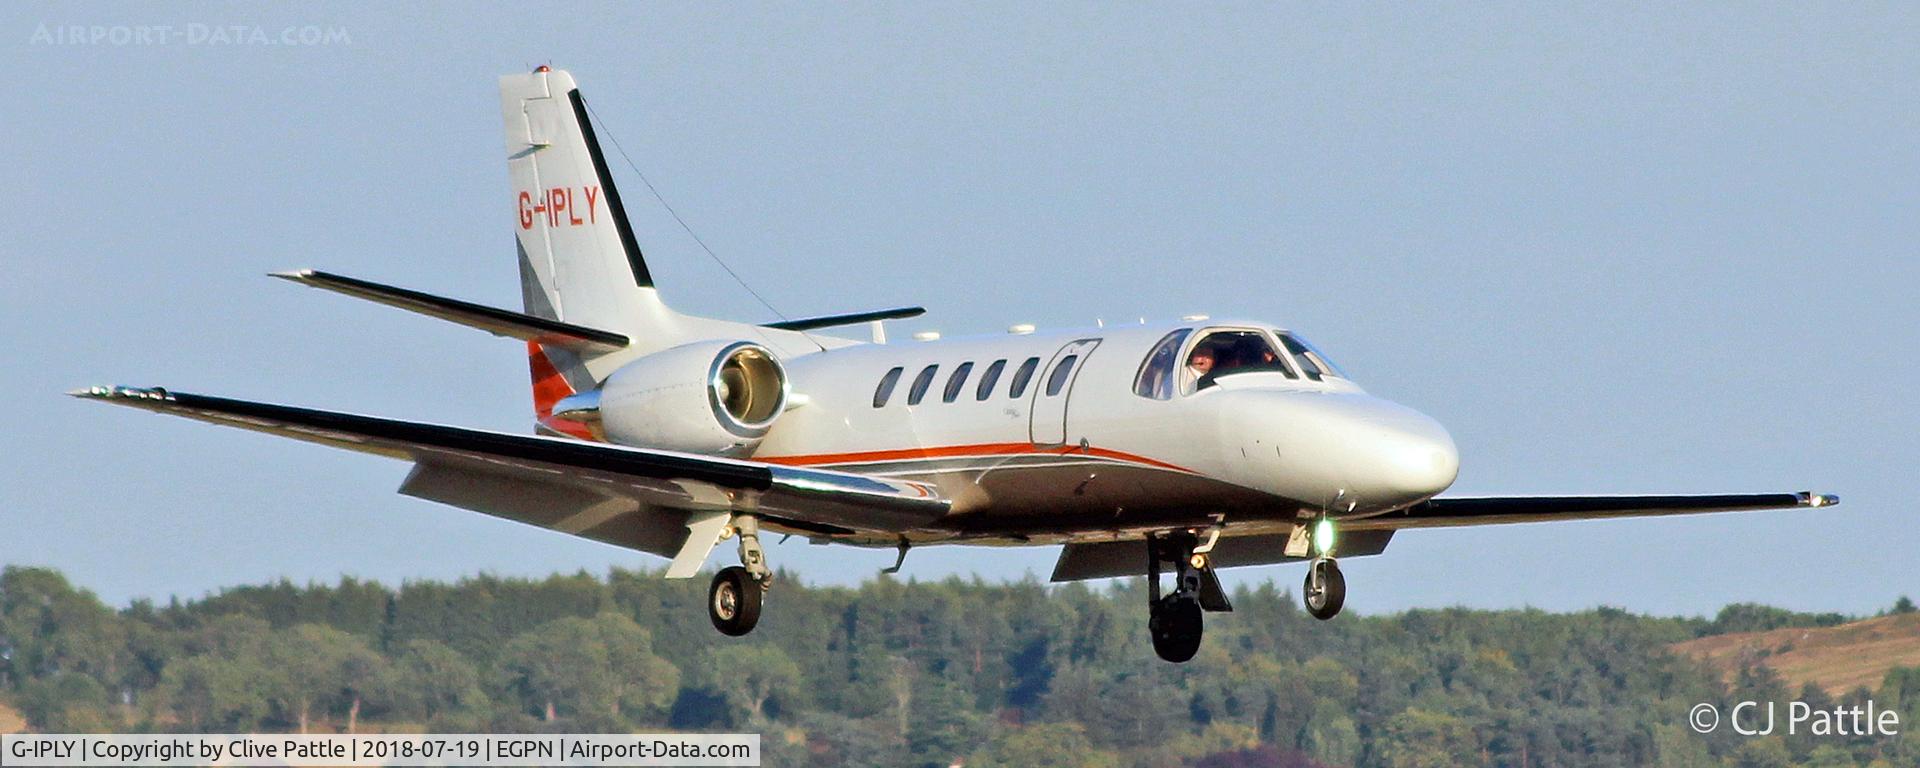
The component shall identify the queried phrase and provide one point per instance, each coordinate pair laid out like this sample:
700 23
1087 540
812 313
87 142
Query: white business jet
1184 447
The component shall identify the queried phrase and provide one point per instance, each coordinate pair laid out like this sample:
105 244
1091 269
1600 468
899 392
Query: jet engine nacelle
712 397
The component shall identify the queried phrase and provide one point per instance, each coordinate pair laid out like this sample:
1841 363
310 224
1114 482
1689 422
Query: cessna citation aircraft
1179 447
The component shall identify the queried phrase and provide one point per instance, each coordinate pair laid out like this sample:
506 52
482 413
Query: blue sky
1613 249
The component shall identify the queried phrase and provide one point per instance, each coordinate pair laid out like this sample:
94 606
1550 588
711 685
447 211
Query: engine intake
747 388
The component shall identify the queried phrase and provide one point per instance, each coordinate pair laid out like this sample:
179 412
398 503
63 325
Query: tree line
912 673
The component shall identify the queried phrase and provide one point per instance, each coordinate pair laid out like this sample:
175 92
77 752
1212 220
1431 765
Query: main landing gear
733 600
1173 619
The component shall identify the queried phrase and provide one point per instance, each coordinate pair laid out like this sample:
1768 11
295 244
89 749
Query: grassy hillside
1838 659
10 720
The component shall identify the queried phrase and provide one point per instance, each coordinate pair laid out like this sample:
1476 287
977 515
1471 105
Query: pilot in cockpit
1198 374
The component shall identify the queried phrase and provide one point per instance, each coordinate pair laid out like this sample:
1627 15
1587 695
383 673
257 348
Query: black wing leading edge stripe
1515 509
829 321
647 464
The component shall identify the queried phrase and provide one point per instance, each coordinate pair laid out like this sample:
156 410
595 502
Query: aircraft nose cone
1417 458
1394 455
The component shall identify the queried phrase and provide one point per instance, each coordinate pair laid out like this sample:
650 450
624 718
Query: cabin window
920 384
1061 372
956 381
988 378
1310 358
1158 371
885 390
1229 352
1022 376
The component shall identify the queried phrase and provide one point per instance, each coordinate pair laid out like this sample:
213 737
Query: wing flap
610 518
1497 510
1106 559
511 472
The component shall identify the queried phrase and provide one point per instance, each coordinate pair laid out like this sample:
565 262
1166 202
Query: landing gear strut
1173 620
734 597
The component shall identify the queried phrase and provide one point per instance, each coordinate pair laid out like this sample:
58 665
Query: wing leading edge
635 498
1496 510
1369 536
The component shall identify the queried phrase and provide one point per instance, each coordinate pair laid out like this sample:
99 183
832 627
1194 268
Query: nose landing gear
1325 590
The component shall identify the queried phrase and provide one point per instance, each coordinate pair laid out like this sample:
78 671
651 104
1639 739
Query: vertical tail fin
579 260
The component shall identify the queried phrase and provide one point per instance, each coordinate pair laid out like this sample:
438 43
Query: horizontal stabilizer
830 321
499 322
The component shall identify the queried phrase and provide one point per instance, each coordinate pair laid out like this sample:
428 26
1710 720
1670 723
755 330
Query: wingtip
1812 499
121 393
293 274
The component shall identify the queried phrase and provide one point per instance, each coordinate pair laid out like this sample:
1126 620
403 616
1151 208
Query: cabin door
1053 390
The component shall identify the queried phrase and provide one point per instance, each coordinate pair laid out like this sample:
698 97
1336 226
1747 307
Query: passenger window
1061 372
989 378
956 381
920 384
1022 376
1225 353
1156 375
885 390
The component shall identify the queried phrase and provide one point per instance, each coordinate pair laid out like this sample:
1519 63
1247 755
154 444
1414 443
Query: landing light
1323 536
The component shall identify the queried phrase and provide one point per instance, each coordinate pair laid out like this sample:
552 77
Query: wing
636 498
1495 510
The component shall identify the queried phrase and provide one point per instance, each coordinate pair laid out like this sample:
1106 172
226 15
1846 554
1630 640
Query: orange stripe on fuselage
951 451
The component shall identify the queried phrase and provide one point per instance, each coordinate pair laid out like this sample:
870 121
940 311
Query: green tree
747 677
1049 745
217 694
1762 753
47 627
1417 738
312 665
432 680
603 667
67 702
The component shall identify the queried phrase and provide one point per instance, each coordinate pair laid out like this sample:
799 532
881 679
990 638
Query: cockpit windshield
1225 352
1311 360
1228 352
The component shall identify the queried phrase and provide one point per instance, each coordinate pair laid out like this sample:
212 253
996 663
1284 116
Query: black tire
733 601
1176 626
1326 603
